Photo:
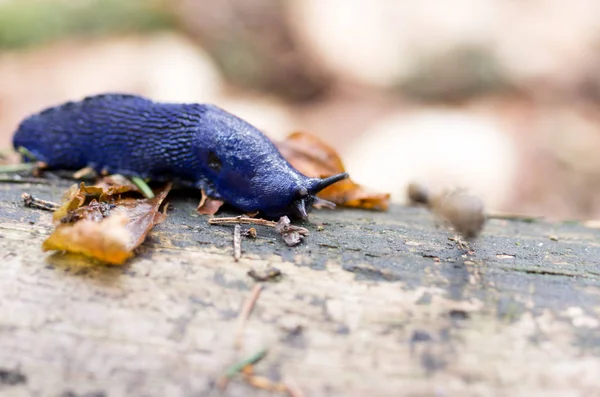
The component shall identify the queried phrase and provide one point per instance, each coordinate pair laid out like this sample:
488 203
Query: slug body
198 145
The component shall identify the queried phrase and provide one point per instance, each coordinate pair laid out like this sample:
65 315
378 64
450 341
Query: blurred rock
456 75
439 148
546 45
252 42
537 46
165 67
570 138
375 43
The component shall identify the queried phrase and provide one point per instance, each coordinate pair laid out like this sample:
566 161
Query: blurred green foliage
25 23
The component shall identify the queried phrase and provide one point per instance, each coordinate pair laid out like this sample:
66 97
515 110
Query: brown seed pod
417 194
463 211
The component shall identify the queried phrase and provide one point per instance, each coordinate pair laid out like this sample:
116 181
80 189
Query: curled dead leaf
74 198
107 240
208 206
103 223
314 158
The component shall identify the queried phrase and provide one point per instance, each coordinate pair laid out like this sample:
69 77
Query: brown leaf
107 240
106 230
208 206
74 198
312 157
116 184
94 211
143 215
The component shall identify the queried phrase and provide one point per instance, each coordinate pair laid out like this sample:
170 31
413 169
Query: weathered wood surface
364 308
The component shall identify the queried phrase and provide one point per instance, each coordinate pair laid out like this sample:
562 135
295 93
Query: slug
198 145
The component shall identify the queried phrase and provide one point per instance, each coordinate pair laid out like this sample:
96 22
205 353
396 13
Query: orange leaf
314 158
74 198
107 240
143 215
108 231
208 206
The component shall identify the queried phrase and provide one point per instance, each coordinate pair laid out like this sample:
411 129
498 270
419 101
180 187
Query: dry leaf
116 184
312 157
208 206
74 198
109 227
107 240
143 215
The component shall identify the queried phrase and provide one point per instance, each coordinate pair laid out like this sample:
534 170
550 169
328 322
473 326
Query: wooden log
379 304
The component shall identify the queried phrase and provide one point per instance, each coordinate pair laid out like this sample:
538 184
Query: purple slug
198 145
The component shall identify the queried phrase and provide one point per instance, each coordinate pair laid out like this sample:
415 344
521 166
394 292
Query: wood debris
265 275
40 204
245 314
291 234
237 243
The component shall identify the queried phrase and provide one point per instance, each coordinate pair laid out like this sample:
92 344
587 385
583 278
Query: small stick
292 235
239 366
237 242
245 314
513 216
20 179
261 382
143 186
33 202
10 168
86 172
241 220
292 388
462 244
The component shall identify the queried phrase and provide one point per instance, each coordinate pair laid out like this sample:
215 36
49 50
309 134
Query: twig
292 388
23 179
237 242
261 382
292 235
513 216
462 244
33 202
239 366
143 186
10 168
84 173
241 220
245 314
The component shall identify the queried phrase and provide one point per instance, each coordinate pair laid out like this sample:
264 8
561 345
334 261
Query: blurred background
500 97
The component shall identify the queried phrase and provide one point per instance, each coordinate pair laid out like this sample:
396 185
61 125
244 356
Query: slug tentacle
320 184
300 209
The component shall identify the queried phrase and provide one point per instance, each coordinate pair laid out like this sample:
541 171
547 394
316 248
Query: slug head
306 196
